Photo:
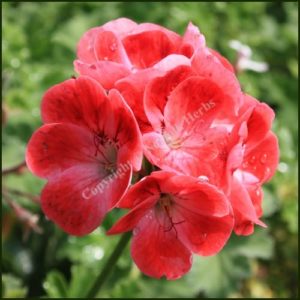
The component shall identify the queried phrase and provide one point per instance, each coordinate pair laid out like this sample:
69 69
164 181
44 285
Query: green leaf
290 215
219 275
88 250
270 203
12 287
81 280
55 285
258 245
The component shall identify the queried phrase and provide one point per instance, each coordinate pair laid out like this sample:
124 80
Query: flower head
144 89
173 216
86 150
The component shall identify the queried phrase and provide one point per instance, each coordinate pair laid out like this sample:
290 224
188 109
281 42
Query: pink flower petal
158 91
107 46
192 41
208 66
243 208
194 101
146 48
263 159
78 198
56 147
204 235
158 252
74 101
104 72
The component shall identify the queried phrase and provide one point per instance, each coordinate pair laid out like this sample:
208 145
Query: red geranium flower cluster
145 90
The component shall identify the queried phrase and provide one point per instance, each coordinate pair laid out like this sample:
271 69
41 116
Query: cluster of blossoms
147 96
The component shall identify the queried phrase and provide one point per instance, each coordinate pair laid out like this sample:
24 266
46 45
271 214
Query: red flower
173 216
133 86
86 150
195 133
213 144
125 55
187 109
260 155
119 47
138 46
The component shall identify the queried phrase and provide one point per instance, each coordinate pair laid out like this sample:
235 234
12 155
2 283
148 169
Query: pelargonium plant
155 123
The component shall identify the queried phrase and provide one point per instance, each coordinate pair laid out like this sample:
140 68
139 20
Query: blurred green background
38 48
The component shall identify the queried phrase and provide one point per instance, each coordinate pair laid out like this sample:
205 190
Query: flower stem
108 267
15 169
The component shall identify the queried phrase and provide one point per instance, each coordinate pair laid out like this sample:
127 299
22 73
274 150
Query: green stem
108 267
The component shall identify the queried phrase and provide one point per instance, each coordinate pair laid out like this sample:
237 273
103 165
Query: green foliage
12 287
39 42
